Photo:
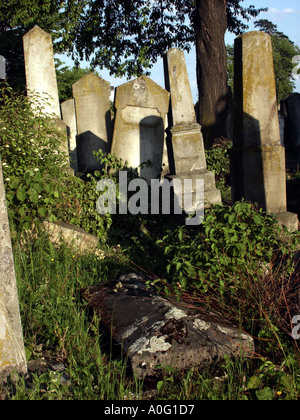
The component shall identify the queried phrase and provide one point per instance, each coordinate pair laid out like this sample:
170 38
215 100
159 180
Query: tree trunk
210 26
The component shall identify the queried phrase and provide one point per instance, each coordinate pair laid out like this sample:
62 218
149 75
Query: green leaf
254 383
52 218
33 196
42 211
14 184
180 235
28 353
159 386
21 193
265 394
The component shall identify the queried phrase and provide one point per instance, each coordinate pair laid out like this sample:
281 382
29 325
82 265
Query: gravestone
69 117
12 353
41 82
40 70
93 117
290 108
185 142
139 133
258 158
162 332
2 67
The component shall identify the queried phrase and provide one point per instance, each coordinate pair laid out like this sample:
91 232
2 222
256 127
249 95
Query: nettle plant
231 242
37 183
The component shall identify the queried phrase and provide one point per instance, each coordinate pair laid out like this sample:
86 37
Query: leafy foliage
37 181
66 77
230 240
124 36
218 161
17 17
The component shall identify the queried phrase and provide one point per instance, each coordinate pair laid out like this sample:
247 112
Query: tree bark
210 27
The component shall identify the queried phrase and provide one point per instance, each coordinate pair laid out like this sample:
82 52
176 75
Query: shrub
218 161
38 185
230 241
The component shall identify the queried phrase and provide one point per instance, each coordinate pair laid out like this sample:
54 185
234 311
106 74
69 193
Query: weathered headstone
12 353
139 133
69 117
93 116
258 159
41 82
186 145
2 67
155 331
40 72
290 108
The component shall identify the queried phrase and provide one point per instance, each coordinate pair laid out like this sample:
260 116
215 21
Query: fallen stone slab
154 331
71 235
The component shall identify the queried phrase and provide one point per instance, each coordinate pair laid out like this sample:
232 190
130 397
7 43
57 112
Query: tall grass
57 326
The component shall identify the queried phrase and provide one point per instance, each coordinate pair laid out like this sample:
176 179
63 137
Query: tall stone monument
258 159
41 82
139 134
12 353
93 116
186 146
40 72
69 118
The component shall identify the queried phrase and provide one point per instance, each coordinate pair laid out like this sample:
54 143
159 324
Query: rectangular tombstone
12 353
139 133
258 158
69 117
93 117
40 70
185 134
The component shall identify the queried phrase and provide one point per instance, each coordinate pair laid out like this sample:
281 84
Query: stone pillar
93 117
69 117
12 353
258 159
139 133
41 79
40 70
186 146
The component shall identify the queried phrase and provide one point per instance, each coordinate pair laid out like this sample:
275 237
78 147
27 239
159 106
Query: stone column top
88 84
140 92
256 121
40 69
177 82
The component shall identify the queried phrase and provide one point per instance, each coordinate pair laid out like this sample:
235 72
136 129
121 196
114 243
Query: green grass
57 325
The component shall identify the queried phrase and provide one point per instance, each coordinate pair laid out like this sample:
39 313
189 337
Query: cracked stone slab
157 331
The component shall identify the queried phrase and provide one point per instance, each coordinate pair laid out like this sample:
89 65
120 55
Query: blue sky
285 14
